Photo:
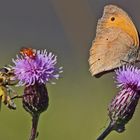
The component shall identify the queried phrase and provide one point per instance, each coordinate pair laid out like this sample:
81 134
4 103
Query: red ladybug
28 52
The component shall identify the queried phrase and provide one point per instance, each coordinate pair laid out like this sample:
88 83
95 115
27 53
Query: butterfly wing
116 37
109 50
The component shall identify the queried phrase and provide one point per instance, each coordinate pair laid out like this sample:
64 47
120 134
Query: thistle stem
19 96
106 132
35 119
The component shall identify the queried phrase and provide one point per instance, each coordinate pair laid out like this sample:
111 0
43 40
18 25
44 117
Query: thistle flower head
122 107
128 77
40 68
33 69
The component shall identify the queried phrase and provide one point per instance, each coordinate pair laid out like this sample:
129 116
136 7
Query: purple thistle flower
128 77
122 107
33 69
42 68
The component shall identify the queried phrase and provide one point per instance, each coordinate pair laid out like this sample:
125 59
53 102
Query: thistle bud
35 99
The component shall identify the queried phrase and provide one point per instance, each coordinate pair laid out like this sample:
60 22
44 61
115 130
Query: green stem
35 120
106 132
19 96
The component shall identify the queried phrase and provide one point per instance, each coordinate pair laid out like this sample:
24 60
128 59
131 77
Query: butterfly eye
112 18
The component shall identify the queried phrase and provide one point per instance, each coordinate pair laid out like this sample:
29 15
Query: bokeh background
78 102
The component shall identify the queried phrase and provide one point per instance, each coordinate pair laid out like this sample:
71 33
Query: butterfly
116 42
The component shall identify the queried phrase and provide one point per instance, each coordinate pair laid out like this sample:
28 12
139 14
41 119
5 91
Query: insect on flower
7 80
28 52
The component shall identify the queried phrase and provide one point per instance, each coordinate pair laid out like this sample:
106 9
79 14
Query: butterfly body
116 41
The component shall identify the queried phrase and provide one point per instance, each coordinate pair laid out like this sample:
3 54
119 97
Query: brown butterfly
116 42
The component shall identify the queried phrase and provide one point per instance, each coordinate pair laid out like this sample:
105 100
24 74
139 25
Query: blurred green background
78 102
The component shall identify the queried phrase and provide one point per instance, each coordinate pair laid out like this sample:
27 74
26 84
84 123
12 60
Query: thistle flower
34 68
122 107
41 68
